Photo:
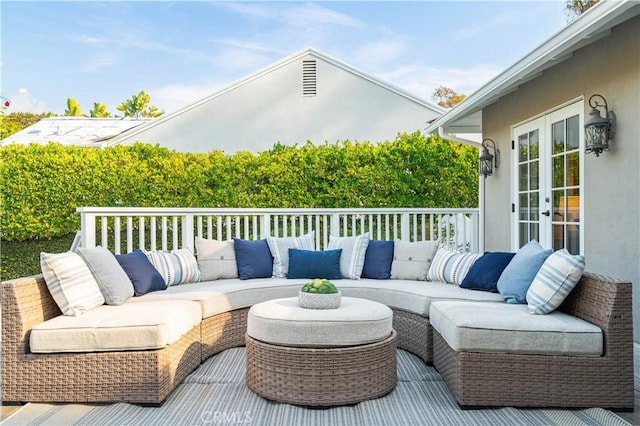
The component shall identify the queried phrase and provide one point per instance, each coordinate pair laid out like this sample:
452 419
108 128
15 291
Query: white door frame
543 122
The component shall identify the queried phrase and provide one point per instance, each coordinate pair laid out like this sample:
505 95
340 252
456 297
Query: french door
548 189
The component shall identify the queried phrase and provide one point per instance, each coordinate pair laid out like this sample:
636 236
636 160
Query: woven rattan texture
414 333
521 380
321 377
145 377
223 331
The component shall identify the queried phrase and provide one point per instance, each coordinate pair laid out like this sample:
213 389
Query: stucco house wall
271 107
611 67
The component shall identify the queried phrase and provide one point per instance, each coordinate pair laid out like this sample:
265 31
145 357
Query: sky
182 51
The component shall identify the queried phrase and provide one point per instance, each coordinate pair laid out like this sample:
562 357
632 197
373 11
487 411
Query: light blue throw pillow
520 272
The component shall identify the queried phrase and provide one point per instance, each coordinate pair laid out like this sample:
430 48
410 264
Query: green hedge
41 186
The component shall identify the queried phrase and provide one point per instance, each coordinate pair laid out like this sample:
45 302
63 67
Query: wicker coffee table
320 357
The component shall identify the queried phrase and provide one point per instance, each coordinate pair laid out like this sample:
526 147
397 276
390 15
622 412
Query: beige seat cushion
502 327
412 296
131 326
220 296
284 322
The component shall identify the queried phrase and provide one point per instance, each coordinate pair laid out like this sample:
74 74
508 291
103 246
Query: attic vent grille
308 78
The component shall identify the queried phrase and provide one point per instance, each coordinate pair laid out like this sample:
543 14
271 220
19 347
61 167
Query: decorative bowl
319 301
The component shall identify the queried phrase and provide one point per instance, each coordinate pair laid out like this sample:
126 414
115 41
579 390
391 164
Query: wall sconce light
487 160
599 130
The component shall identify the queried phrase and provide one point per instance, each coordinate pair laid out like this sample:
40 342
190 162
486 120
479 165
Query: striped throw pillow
70 282
279 247
176 266
451 266
353 251
458 266
439 264
557 276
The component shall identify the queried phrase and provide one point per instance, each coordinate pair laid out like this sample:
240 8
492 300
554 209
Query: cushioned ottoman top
284 322
503 327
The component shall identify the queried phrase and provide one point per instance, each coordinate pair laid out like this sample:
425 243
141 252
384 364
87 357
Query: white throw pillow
176 266
353 253
557 276
216 259
279 247
70 282
411 260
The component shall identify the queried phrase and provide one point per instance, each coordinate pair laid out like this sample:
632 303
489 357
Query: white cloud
102 60
379 52
310 14
501 19
294 14
23 102
240 56
422 80
176 96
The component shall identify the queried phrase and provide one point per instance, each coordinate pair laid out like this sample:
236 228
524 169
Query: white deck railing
124 229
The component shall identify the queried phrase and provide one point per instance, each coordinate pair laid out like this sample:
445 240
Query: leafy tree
575 8
447 97
73 109
138 106
99 111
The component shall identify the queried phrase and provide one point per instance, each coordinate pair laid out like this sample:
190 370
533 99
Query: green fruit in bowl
319 286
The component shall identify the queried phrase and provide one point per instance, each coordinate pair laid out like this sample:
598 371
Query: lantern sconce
487 160
599 130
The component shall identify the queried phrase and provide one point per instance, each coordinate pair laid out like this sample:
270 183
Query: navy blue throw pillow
253 258
143 275
485 272
314 264
378 259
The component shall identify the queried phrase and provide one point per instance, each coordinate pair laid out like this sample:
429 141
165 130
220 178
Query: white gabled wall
271 108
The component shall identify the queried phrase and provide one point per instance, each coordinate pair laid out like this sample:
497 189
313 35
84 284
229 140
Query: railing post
404 227
88 227
335 225
475 233
265 225
187 232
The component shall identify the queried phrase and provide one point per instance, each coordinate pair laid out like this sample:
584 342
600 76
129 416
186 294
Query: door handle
547 213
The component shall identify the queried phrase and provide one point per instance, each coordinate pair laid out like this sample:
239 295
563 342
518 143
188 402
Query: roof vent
308 78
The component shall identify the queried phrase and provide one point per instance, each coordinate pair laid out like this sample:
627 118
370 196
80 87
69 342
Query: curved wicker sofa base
141 377
481 379
475 379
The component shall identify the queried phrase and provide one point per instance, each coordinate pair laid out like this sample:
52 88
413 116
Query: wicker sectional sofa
483 378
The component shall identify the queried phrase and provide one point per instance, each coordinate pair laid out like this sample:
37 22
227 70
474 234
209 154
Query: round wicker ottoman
320 357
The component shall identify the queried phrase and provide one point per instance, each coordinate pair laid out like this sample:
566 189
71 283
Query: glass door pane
528 185
566 197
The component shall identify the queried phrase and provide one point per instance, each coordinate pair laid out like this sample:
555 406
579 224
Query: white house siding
270 107
611 67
